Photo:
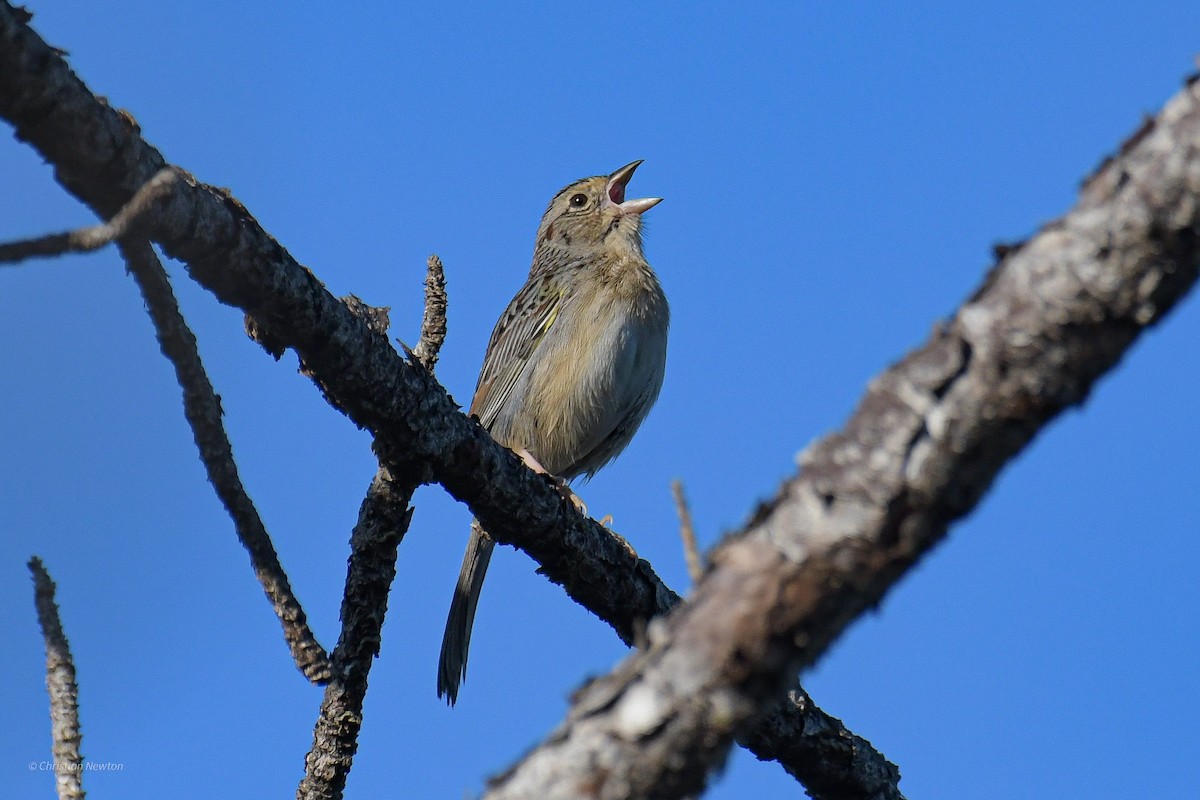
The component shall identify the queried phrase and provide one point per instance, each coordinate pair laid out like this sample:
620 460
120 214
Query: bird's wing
518 332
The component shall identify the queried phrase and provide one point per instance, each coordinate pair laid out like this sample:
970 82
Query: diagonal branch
100 157
201 405
832 762
202 408
60 683
926 442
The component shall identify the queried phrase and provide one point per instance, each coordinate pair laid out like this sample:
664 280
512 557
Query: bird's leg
559 483
566 492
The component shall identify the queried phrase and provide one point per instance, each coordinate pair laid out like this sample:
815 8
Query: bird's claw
568 493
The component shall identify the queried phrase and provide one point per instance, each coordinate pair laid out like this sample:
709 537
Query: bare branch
359 372
60 683
923 446
382 522
201 404
202 408
691 552
433 322
837 763
86 240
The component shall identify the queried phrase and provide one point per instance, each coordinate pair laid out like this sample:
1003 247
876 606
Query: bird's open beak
615 192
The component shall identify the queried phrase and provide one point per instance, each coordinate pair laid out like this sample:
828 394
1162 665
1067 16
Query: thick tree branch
60 683
100 157
923 446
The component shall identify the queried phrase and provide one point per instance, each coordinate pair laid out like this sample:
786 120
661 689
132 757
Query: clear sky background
834 181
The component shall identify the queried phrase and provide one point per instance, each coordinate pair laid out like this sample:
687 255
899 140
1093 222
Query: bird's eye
578 200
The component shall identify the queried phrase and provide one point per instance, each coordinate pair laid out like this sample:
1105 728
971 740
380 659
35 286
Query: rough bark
202 408
928 439
60 684
382 522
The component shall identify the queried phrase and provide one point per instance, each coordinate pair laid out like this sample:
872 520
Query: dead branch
60 683
382 522
202 408
691 552
433 321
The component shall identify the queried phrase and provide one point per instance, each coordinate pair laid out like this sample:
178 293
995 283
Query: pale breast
597 374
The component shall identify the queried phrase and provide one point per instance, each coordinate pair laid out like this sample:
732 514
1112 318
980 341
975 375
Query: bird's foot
559 484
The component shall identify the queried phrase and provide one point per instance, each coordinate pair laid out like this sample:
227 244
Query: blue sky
834 180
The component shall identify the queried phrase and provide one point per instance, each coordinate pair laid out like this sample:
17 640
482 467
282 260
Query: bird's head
593 213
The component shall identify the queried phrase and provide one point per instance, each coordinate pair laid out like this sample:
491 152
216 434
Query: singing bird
573 365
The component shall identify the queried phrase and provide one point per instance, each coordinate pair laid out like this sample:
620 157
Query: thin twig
85 240
687 532
60 683
202 408
433 322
